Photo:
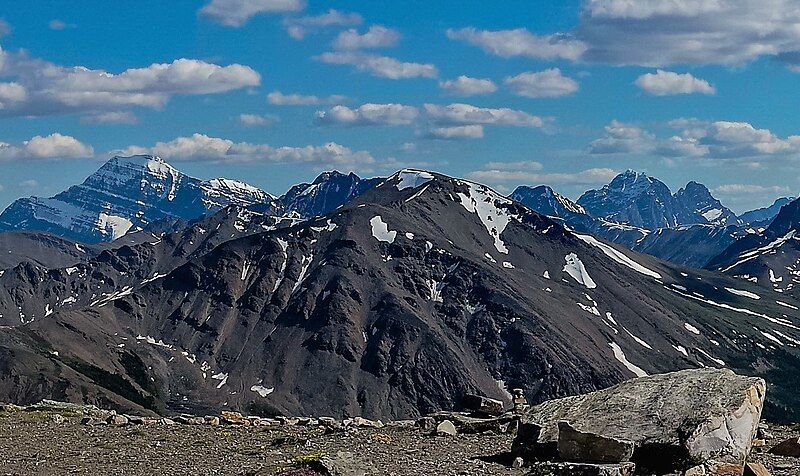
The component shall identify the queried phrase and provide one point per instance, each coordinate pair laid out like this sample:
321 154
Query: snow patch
575 268
410 178
618 256
740 292
261 390
380 230
620 356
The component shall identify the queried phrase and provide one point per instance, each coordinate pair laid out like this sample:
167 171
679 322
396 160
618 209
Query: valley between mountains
146 290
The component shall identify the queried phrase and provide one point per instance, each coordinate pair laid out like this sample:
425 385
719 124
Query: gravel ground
32 443
35 443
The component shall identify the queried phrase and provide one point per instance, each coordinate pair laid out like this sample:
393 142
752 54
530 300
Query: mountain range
690 227
418 290
386 297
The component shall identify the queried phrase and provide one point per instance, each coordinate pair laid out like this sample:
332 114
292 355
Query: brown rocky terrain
37 443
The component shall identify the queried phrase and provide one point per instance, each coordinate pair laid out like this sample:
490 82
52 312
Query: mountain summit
636 199
126 193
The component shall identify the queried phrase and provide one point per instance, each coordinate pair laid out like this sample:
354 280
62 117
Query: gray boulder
674 420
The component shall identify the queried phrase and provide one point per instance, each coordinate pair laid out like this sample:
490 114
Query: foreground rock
673 421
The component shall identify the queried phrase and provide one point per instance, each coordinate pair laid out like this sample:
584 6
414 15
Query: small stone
790 447
518 462
136 420
587 447
519 400
763 433
117 420
401 423
182 419
92 421
57 418
482 405
699 470
287 420
233 418
582 469
759 443
211 420
426 423
755 469
446 428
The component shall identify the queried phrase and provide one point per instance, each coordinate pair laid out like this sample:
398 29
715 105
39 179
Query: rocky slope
422 289
770 257
126 194
42 249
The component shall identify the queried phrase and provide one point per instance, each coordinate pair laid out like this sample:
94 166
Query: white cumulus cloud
53 146
457 132
52 89
369 115
622 138
376 37
469 114
255 120
298 28
549 83
466 86
278 98
667 83
521 42
380 66
200 147
235 13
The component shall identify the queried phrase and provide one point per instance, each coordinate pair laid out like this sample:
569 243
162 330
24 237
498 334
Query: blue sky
564 92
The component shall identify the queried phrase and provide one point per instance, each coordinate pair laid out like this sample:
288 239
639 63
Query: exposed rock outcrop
673 420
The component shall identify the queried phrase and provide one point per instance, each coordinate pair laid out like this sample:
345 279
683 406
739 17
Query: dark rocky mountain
422 289
637 199
762 217
126 194
633 198
546 201
692 245
770 257
696 205
329 191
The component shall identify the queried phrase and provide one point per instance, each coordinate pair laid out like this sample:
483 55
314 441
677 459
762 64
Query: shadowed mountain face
420 290
126 194
770 257
329 191
639 200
